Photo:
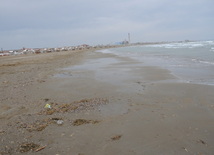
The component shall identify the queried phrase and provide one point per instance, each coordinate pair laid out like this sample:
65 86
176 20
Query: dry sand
126 110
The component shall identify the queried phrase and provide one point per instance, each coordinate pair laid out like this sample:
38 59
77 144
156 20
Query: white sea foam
197 45
203 62
209 42
105 51
177 45
207 62
183 45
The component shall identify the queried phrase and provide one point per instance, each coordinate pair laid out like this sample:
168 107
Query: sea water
191 62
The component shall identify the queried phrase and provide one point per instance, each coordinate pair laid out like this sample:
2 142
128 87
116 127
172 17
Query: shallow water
192 62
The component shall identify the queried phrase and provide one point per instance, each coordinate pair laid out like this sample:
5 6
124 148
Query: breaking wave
183 44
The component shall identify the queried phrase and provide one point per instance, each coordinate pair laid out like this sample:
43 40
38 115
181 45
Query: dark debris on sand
40 121
85 104
117 137
78 122
25 147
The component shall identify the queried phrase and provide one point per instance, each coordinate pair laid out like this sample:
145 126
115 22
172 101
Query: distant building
125 42
129 38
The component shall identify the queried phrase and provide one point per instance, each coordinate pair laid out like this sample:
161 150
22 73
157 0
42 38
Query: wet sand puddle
110 70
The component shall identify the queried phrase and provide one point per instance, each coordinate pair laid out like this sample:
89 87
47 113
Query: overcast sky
57 23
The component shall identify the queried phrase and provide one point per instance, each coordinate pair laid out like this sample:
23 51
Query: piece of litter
48 106
185 149
59 122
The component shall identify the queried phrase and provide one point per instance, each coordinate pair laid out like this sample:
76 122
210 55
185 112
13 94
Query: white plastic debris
59 122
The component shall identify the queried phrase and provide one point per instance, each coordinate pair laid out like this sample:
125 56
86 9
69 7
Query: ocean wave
209 42
105 51
203 62
183 45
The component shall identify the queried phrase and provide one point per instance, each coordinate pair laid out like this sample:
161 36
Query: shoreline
119 109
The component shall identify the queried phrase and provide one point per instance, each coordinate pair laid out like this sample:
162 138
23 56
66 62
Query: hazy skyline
54 23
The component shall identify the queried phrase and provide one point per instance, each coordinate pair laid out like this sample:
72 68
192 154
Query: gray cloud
52 23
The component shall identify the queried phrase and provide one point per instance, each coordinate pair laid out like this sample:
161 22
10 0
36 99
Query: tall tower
129 38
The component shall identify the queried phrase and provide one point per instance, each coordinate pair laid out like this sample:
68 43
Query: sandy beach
71 103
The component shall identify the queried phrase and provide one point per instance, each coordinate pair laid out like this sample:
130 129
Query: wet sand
108 105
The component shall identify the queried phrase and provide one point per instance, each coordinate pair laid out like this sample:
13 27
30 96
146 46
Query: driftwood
41 148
